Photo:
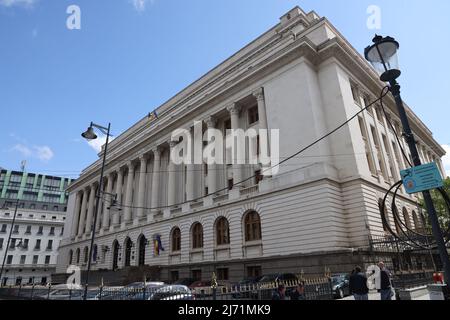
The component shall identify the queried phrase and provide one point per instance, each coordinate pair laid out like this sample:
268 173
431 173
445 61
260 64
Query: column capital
234 108
156 152
210 122
259 93
143 158
130 165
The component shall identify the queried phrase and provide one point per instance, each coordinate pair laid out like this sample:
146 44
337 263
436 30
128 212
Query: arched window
222 232
86 254
385 214
94 253
252 224
116 249
128 247
78 255
176 240
197 236
70 257
406 217
142 244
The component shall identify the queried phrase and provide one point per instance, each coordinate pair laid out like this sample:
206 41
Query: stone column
141 194
171 194
234 111
82 214
155 182
90 213
116 217
212 173
76 215
129 193
107 202
259 95
190 176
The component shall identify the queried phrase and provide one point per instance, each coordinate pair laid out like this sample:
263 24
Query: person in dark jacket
358 285
280 293
385 282
299 292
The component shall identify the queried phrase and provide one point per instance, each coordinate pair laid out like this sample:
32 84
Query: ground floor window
222 274
254 271
196 275
174 276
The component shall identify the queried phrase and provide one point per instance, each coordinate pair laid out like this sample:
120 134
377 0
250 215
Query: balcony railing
249 190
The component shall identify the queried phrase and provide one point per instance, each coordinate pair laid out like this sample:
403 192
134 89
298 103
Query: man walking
385 282
358 285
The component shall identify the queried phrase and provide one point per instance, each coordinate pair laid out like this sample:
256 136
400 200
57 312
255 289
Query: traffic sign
422 178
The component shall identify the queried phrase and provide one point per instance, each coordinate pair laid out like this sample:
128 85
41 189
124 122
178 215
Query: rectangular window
174 276
52 231
355 94
230 184
38 245
389 156
254 271
47 260
16 229
1 243
35 259
50 245
4 226
197 275
25 243
222 274
12 244
253 115
40 231
9 259
22 259
28 231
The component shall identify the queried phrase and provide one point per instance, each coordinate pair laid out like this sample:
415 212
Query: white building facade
302 78
33 249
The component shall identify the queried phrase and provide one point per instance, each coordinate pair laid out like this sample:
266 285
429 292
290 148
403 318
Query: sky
129 56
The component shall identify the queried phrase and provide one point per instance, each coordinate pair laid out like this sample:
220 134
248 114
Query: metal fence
314 289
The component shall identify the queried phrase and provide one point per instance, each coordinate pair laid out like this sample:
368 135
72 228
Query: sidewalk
373 295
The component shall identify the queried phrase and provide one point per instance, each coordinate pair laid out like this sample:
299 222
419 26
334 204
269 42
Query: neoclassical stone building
301 77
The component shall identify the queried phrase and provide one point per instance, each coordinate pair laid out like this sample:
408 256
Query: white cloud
140 5
24 150
22 3
446 159
98 143
43 153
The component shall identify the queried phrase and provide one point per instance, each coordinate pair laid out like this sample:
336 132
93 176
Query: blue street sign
422 178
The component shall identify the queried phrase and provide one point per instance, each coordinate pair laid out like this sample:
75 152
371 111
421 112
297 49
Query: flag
152 116
157 244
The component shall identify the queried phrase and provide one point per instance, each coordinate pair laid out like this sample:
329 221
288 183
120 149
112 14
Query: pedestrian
299 292
358 285
280 293
385 282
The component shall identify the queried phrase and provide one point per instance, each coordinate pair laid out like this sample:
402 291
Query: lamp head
89 134
383 57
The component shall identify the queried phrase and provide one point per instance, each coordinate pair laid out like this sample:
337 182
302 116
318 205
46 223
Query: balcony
250 190
221 198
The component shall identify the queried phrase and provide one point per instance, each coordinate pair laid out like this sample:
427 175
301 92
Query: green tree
440 205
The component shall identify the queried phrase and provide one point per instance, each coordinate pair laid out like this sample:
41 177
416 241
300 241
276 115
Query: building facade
38 228
301 77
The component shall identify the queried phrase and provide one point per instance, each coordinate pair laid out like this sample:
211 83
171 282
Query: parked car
340 285
172 292
203 288
278 277
184 282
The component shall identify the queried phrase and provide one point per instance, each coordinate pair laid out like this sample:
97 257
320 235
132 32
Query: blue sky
130 56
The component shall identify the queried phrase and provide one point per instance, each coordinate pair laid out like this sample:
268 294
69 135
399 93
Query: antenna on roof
23 164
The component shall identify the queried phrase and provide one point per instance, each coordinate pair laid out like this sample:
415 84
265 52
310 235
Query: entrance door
128 246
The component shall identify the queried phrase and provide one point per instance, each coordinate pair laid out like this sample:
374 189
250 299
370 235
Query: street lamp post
9 240
383 56
90 135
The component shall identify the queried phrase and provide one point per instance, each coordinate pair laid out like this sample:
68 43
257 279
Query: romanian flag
157 244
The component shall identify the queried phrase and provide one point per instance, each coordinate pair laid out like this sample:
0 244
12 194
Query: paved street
373 295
